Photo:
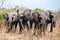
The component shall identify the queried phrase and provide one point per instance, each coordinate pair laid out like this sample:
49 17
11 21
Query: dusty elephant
11 19
52 20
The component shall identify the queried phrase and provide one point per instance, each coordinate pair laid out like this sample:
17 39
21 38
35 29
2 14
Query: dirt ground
55 35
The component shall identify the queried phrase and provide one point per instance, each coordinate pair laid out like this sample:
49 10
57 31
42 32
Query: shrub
1 15
39 10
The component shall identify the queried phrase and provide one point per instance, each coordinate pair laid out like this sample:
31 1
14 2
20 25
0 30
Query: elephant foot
28 31
7 31
14 31
54 26
40 33
51 30
34 33
20 32
44 33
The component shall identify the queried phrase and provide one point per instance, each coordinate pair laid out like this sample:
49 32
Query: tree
2 2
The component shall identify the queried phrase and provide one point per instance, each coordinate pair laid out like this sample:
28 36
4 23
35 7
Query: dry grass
55 35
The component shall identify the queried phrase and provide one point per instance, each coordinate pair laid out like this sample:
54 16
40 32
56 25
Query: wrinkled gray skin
11 19
52 20
20 20
35 20
41 20
27 19
47 18
42 23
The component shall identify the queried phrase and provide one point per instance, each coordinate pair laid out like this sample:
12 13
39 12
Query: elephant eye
40 18
12 18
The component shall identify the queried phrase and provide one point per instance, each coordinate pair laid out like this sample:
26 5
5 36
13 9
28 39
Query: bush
39 10
1 15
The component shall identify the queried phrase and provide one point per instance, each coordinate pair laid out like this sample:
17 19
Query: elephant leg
20 30
22 25
9 28
51 29
41 29
44 28
28 25
54 23
15 26
35 28
31 23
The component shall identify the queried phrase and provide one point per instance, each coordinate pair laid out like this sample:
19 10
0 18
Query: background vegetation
2 11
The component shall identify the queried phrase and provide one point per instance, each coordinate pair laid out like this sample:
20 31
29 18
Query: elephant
27 19
39 21
20 20
11 19
45 19
52 20
35 20
43 22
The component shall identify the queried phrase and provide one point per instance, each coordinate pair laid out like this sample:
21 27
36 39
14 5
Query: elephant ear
6 16
47 15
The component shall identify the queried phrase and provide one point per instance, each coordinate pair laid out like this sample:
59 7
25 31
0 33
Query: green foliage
1 16
39 10
5 11
14 10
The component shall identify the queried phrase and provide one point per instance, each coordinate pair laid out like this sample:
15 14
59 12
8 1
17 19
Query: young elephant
42 22
11 19
20 21
52 20
35 20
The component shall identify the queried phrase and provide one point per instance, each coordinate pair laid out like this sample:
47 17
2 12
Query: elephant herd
28 18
